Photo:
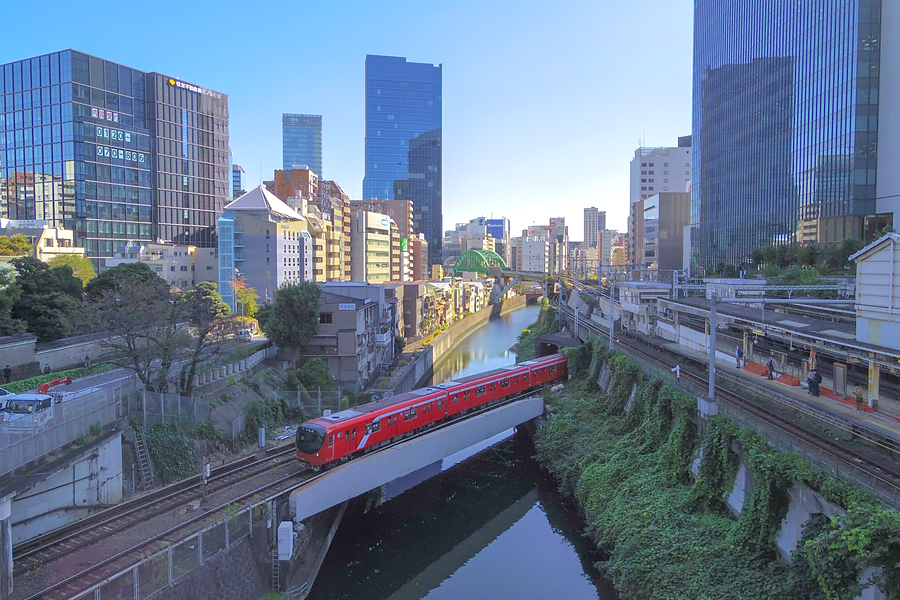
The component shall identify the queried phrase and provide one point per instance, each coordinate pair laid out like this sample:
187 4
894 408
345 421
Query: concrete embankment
419 358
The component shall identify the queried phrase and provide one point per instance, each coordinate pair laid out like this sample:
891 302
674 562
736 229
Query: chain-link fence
27 436
154 408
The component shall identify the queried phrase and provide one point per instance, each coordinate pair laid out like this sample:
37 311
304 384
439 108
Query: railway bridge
403 460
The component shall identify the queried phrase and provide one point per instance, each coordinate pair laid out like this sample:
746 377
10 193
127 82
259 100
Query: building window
665 164
325 318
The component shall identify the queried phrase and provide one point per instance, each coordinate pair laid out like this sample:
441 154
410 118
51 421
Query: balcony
382 338
238 256
238 242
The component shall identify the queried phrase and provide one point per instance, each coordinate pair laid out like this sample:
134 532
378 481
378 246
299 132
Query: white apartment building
594 222
370 247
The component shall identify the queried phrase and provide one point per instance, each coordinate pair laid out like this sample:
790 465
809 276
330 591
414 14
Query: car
4 392
26 412
244 334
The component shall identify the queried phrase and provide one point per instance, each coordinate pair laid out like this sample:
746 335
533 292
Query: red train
340 436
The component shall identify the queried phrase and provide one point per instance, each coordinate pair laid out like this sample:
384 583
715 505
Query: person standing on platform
771 366
814 379
858 393
738 356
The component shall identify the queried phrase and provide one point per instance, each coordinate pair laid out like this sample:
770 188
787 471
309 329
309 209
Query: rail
846 455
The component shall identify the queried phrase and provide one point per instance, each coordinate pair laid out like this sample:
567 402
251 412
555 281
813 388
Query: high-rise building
403 140
792 118
665 217
114 153
594 222
653 171
301 142
237 181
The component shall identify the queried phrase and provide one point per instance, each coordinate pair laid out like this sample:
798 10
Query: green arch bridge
478 261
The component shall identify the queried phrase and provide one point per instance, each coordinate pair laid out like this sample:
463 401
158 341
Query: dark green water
492 526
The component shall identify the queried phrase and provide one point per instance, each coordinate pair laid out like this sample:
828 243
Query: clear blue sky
544 102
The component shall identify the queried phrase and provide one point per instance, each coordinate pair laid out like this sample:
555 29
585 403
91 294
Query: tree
757 257
204 310
142 325
113 278
263 314
246 297
15 245
82 268
295 316
769 254
50 299
314 374
9 293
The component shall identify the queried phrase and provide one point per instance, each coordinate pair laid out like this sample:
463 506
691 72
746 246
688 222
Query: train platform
885 418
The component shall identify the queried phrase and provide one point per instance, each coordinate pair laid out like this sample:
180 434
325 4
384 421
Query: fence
154 408
157 572
64 422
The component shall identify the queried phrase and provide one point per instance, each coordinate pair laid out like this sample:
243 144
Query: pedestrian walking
87 362
7 374
858 393
771 366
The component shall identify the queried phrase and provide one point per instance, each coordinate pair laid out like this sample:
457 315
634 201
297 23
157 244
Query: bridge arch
479 261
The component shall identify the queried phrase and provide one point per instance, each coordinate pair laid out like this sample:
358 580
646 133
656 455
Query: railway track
886 474
41 550
83 583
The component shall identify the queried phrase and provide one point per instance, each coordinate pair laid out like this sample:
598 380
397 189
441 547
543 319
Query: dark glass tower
403 141
111 152
785 124
301 142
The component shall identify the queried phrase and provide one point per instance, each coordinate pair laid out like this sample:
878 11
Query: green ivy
172 452
670 537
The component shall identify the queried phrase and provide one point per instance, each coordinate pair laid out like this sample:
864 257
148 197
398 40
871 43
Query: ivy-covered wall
668 534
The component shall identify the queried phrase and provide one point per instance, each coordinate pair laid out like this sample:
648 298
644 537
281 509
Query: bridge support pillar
874 383
6 550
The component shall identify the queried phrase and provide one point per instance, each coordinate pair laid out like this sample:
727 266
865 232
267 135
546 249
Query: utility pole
612 320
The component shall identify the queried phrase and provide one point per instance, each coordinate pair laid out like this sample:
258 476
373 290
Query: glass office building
301 142
403 141
785 124
113 153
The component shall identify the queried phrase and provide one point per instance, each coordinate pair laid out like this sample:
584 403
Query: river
493 526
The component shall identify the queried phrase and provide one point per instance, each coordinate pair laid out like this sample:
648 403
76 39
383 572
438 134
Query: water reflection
493 526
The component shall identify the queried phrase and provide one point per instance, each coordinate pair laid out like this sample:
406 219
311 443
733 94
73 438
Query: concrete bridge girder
374 470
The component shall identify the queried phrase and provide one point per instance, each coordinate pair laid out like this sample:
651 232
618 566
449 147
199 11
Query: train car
336 438
339 436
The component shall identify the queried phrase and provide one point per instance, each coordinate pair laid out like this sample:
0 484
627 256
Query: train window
353 434
455 399
410 414
330 441
373 427
493 386
553 369
504 383
440 403
479 391
525 377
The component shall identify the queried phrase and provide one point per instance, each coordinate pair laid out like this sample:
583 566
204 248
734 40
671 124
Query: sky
544 103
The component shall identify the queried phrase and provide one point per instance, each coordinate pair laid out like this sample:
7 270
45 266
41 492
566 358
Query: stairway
143 456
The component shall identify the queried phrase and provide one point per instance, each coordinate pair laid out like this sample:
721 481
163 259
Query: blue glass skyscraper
403 141
785 124
301 142
113 153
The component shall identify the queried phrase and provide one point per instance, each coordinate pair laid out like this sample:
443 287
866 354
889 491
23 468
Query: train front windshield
310 438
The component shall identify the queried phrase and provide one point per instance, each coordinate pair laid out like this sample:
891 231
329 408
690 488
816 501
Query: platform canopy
478 261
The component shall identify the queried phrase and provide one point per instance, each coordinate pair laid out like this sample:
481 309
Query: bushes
546 323
24 385
172 452
669 537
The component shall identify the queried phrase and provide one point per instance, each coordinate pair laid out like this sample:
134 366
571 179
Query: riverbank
419 358
661 513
